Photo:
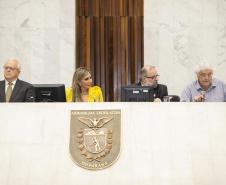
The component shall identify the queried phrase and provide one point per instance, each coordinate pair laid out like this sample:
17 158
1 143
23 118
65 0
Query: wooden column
109 41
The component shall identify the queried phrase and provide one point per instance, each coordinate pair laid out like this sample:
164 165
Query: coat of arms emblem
95 137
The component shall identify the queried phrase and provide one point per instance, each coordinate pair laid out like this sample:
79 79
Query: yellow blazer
94 94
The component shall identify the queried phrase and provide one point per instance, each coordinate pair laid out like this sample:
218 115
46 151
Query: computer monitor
50 92
137 94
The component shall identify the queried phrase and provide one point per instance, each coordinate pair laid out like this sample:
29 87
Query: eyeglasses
9 68
152 77
206 74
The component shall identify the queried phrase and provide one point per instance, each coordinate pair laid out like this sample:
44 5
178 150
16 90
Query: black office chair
171 98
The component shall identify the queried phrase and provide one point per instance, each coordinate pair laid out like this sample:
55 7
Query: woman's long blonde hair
79 74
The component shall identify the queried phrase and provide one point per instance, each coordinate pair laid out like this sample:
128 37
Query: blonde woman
82 89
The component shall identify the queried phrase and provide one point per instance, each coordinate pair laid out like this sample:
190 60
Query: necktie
9 91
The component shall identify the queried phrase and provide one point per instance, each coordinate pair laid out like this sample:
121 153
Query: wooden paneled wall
109 41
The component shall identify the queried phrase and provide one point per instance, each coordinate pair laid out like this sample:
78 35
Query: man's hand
199 98
157 100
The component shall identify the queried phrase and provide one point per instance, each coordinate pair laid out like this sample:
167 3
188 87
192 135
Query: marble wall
178 33
186 146
41 34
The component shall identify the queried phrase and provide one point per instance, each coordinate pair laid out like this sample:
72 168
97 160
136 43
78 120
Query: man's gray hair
144 70
17 63
202 66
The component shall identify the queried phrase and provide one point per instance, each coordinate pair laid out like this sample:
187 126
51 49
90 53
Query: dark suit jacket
22 92
160 91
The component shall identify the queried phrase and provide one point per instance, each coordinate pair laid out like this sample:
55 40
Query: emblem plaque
95 137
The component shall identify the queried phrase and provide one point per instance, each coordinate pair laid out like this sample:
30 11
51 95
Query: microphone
203 93
31 99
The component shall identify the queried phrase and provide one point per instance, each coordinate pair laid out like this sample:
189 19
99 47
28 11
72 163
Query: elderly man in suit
12 89
149 77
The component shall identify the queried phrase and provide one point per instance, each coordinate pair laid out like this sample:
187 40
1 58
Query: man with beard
149 77
205 88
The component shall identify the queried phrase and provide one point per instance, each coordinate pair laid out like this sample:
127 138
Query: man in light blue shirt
205 88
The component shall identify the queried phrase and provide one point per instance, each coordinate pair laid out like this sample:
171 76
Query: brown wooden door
109 41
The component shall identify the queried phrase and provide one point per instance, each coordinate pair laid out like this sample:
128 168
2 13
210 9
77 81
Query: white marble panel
67 38
52 13
41 34
178 33
67 13
181 147
219 166
5 157
7 45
